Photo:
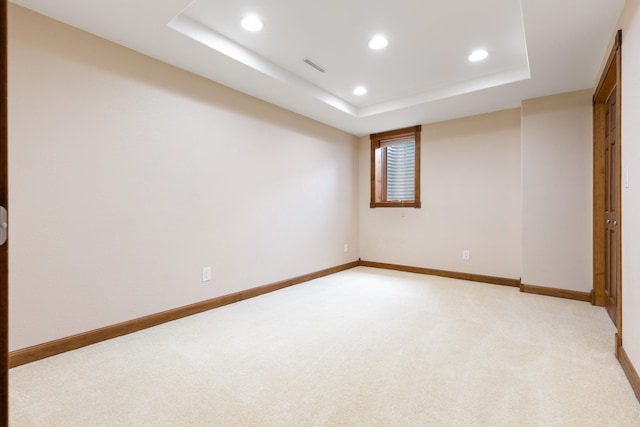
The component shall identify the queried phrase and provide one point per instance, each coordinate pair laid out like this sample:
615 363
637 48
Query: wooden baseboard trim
617 343
443 273
41 351
630 371
553 292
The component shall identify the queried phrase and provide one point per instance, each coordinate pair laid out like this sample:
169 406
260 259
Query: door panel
612 183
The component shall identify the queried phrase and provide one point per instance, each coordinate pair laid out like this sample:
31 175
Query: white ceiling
536 48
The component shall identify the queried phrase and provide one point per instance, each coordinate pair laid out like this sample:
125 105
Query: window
395 168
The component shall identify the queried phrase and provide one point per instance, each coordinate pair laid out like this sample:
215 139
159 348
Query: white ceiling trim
210 38
448 92
195 30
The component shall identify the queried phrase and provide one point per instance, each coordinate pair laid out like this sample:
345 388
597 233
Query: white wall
127 176
557 191
470 179
630 24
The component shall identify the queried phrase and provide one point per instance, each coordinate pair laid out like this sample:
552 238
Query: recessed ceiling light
360 90
378 42
478 55
251 23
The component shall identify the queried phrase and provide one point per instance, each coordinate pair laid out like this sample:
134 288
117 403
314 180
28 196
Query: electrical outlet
206 274
465 254
346 248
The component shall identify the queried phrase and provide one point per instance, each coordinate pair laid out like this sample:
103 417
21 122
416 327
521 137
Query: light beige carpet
364 347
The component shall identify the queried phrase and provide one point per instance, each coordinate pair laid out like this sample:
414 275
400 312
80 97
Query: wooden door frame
611 77
4 264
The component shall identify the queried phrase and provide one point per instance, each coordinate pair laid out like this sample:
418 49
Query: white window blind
401 156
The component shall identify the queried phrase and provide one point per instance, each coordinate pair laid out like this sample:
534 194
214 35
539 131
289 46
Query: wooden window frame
378 169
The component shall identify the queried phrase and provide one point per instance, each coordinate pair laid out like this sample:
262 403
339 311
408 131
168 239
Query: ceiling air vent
314 65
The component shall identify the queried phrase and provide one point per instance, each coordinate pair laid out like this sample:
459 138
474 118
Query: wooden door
4 249
607 157
612 214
